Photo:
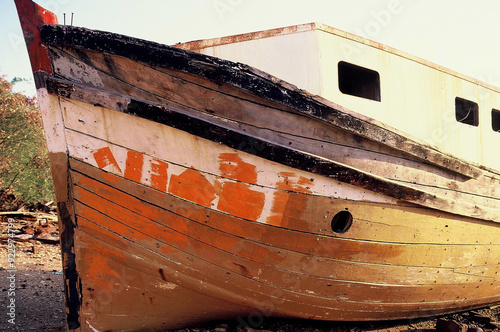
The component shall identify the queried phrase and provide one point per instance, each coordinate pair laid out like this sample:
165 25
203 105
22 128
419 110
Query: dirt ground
39 297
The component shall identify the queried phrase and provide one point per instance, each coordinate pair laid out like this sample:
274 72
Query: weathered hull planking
192 188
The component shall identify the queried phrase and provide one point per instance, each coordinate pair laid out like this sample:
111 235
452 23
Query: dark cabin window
359 81
466 111
495 120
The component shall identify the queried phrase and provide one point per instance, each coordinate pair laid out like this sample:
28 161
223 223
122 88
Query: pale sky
457 34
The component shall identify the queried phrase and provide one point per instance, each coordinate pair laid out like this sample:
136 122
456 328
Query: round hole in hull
341 222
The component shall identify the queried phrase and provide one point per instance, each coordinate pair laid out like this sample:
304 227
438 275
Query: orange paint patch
193 186
288 203
134 164
97 260
104 157
159 175
94 206
132 226
232 166
169 250
237 198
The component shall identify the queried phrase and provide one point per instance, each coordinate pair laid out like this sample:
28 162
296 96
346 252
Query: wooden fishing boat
341 180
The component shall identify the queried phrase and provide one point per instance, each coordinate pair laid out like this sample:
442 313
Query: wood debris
30 226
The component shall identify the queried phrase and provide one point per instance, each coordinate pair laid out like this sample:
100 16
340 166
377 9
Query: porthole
342 222
358 81
495 120
466 112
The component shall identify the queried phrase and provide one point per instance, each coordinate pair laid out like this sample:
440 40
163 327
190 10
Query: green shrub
24 162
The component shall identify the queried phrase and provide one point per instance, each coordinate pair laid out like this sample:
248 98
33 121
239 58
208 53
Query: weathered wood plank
138 280
313 290
240 76
300 133
276 153
395 168
345 249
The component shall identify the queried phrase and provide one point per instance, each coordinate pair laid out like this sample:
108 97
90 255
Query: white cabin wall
290 57
488 100
334 49
461 139
416 98
409 91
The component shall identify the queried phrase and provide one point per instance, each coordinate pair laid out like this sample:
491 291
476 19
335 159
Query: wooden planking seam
77 170
256 242
442 188
242 77
259 263
306 294
207 172
428 201
248 220
281 299
320 256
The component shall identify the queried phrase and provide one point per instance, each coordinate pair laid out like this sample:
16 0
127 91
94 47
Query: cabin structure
455 113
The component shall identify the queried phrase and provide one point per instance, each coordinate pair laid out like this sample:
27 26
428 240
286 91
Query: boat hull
193 189
161 231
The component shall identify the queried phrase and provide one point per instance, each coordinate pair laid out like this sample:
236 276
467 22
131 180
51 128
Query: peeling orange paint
236 198
133 166
304 185
288 198
239 200
232 166
193 186
159 175
97 265
105 157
